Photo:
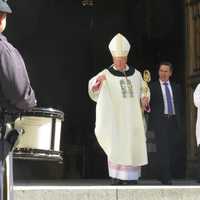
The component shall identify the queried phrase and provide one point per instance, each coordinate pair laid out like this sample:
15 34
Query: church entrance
65 43
156 31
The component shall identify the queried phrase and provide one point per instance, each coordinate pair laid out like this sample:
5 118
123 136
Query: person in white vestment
120 101
196 96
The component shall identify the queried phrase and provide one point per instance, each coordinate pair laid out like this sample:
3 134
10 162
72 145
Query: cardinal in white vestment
119 94
196 96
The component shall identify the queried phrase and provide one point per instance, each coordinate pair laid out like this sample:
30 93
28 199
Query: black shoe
131 182
166 182
115 181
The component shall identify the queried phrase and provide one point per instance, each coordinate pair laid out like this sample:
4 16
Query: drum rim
44 112
38 154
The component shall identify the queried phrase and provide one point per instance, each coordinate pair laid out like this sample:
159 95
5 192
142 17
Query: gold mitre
119 46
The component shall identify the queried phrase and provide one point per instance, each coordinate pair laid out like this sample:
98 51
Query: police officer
15 94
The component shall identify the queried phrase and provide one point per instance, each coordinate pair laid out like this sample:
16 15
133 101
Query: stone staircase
100 190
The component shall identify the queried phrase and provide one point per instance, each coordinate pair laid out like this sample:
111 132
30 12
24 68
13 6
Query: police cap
4 7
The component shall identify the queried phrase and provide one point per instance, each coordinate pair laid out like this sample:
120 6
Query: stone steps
99 190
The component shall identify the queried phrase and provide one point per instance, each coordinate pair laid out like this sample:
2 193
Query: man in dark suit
165 121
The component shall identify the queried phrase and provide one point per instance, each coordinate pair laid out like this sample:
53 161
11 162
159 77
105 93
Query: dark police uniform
15 89
15 94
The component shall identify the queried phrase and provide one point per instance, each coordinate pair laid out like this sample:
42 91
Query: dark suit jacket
157 104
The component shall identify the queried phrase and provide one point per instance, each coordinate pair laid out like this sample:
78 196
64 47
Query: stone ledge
107 192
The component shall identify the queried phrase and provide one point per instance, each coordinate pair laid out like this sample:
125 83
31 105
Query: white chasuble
119 124
196 96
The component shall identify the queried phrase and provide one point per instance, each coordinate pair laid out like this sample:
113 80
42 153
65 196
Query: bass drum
41 137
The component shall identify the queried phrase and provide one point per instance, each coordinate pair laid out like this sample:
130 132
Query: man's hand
98 82
145 104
